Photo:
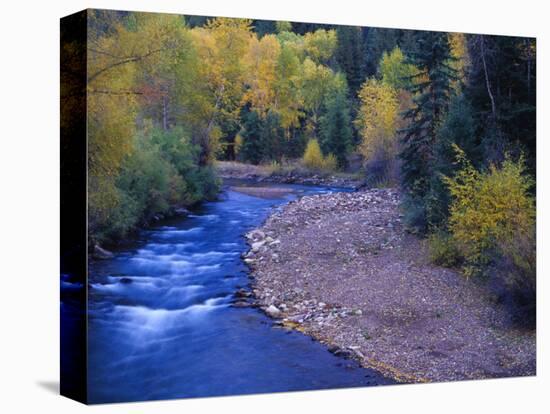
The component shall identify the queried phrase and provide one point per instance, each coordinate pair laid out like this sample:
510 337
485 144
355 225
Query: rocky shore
263 174
340 267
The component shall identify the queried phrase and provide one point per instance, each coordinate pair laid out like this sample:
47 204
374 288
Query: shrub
414 214
492 225
273 167
330 163
144 181
313 157
515 269
160 173
381 169
443 249
103 200
174 146
207 183
492 219
491 213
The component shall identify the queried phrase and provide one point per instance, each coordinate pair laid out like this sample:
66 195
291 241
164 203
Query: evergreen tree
350 55
335 128
263 27
272 137
302 28
378 40
263 137
251 150
500 85
458 128
432 88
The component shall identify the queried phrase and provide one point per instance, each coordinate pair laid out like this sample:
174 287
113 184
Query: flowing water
161 324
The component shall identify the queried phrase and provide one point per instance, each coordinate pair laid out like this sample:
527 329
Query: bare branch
123 62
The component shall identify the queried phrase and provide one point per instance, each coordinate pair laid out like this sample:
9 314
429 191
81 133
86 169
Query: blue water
161 324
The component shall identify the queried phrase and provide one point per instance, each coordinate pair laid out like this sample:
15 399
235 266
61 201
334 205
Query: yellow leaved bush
491 211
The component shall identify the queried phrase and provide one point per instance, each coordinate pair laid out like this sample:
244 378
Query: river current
161 322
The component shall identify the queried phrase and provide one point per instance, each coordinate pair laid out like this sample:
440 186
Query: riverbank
340 267
177 285
102 251
286 174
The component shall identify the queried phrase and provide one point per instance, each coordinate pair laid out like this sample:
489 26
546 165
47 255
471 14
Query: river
161 324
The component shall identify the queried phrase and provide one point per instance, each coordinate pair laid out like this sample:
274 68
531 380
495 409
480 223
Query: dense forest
448 118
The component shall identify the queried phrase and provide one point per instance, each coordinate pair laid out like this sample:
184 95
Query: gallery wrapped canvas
253 206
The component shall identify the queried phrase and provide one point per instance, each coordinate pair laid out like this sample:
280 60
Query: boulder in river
241 304
243 293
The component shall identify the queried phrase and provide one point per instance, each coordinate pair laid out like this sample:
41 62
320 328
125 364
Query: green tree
283 26
321 45
335 127
457 129
317 83
431 88
272 137
394 71
350 55
251 148
377 41
500 86
263 138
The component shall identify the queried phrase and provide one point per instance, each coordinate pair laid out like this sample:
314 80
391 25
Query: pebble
273 311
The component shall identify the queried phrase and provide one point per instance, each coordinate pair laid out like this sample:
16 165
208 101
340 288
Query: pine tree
272 137
377 41
457 129
432 89
335 128
263 137
500 88
251 150
350 55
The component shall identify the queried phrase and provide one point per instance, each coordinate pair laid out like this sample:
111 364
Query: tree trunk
487 82
164 113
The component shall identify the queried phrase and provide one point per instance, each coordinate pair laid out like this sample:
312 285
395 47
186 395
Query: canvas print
253 206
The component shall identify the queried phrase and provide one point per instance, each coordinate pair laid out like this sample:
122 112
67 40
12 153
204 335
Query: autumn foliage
377 118
167 97
313 158
490 210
